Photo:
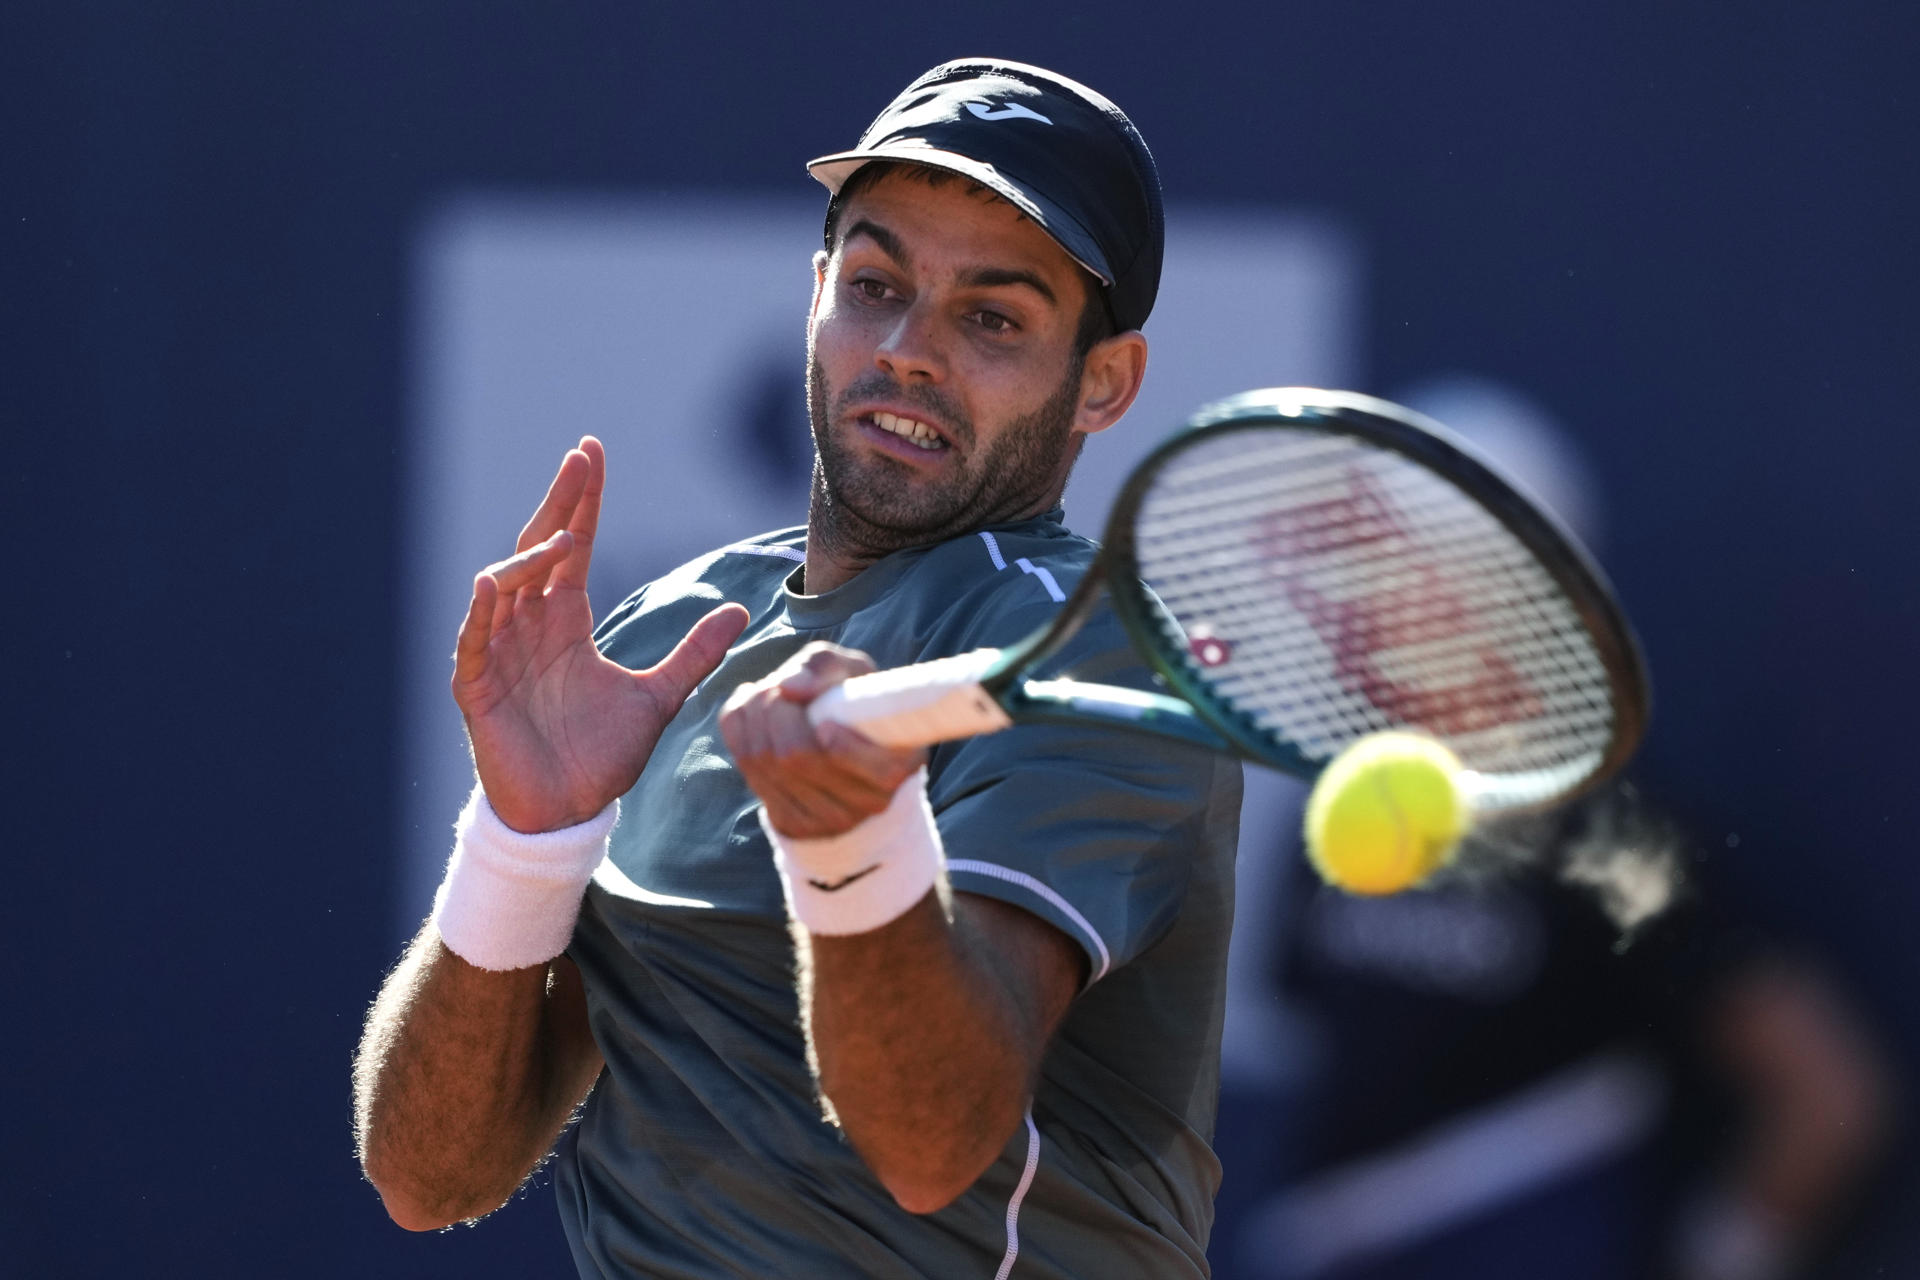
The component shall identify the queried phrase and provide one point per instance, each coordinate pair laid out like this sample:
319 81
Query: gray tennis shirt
701 1151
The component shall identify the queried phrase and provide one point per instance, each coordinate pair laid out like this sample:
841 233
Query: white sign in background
673 328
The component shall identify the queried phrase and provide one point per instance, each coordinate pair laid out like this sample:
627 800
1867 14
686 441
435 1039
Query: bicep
1037 966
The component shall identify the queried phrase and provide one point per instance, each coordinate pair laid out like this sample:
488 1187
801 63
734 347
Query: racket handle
919 705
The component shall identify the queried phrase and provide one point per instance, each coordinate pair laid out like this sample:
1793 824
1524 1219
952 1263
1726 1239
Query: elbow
413 1215
419 1208
925 1192
927 1178
927 1164
924 1173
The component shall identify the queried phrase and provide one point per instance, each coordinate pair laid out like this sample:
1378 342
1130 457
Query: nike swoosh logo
837 885
1012 111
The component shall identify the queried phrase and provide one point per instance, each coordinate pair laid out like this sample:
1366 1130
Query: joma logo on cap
1012 111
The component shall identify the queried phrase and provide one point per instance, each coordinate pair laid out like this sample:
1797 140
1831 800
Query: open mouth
912 431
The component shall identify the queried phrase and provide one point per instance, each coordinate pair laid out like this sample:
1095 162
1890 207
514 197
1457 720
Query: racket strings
1324 588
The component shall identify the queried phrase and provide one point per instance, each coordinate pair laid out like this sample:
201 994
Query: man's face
943 378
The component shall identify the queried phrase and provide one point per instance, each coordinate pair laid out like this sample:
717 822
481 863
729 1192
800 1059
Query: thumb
672 678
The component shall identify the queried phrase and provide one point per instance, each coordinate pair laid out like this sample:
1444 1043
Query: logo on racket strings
1400 633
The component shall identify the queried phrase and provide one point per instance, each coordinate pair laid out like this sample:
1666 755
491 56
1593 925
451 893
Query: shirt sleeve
1095 830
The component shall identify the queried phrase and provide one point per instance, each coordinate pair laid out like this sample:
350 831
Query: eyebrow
889 243
994 277
973 277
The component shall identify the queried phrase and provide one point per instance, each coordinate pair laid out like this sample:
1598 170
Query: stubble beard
865 505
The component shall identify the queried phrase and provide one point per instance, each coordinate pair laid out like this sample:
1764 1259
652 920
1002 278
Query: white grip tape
867 875
510 899
916 706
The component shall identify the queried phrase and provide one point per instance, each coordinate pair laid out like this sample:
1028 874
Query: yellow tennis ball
1387 813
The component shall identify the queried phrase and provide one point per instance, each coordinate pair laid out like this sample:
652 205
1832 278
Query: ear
819 282
1110 380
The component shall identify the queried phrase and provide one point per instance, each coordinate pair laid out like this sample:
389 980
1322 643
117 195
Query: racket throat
1071 702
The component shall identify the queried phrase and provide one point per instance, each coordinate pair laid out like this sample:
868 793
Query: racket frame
1417 437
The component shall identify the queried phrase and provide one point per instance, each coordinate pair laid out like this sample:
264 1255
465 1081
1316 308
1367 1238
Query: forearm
927 1035
463 1080
925 1025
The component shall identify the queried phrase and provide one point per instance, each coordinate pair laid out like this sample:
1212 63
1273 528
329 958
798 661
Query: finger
790 738
503 604
885 767
518 581
585 521
470 649
802 685
765 734
532 566
785 766
820 667
556 509
777 749
805 812
804 805
672 678
742 728
852 771
806 790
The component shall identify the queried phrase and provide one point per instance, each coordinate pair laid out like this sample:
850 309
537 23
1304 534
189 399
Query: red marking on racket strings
1360 631
1208 649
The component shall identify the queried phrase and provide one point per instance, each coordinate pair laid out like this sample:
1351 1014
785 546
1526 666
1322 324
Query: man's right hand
559 730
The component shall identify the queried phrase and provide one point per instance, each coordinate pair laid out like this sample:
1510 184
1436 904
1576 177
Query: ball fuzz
1386 813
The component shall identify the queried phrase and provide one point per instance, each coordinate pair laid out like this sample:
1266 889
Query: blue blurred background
1687 228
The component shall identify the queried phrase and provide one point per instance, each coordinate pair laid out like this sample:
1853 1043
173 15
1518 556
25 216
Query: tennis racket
1302 568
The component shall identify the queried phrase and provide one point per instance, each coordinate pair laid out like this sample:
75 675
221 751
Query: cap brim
834 170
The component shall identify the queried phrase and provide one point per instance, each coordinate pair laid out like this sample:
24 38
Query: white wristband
867 876
509 899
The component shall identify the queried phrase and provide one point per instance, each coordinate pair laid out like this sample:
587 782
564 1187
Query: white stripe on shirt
996 872
1019 1194
1040 572
1046 578
796 554
993 549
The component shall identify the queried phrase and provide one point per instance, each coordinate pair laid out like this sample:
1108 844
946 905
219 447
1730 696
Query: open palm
558 729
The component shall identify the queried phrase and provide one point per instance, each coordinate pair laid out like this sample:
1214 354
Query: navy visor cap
1059 152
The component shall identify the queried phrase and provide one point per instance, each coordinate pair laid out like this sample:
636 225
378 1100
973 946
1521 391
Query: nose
910 351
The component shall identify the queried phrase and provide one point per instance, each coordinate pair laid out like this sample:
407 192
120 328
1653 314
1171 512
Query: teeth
907 429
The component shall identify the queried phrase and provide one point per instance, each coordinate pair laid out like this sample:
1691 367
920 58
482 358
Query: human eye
870 288
995 322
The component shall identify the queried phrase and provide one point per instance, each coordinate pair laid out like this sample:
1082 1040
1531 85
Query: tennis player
820 1007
